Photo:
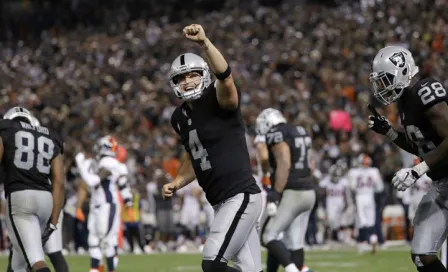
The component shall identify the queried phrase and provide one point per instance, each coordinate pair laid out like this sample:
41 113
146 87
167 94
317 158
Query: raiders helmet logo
398 59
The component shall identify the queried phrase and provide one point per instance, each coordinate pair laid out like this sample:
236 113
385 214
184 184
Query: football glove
266 181
380 124
273 195
271 209
80 215
49 229
404 179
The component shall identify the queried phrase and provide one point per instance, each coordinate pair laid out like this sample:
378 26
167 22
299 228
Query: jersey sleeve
175 122
58 144
275 136
4 126
212 95
260 139
429 93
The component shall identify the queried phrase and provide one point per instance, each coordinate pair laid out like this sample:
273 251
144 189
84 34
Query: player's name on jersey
42 130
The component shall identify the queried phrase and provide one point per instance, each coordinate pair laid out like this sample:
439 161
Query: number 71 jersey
412 106
28 152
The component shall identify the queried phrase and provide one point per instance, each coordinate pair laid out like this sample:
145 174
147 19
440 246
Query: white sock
291 268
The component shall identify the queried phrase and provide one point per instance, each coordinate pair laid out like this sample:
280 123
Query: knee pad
95 253
109 251
93 241
213 266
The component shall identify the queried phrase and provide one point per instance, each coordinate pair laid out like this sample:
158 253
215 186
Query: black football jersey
299 143
418 129
28 152
216 142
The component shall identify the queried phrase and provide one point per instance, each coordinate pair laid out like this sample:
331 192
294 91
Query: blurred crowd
108 75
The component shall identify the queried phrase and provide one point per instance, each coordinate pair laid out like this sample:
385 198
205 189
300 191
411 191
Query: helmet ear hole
405 71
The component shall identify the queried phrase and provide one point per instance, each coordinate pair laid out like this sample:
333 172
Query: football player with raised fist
211 129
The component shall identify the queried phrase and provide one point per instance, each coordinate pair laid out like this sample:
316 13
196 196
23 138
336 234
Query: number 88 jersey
27 155
299 143
412 106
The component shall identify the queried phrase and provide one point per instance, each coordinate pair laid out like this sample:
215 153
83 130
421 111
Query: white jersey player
335 186
104 182
191 205
365 181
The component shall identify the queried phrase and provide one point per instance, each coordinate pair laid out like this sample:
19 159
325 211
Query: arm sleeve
274 136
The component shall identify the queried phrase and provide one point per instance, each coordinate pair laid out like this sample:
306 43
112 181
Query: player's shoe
305 269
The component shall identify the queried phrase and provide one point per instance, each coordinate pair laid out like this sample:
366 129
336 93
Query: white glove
271 209
79 158
404 179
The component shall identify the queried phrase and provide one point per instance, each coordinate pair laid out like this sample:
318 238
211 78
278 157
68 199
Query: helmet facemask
386 88
193 94
184 64
393 69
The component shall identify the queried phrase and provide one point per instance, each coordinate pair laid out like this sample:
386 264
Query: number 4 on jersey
198 151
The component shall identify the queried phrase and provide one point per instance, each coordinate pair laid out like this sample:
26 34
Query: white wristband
421 168
392 134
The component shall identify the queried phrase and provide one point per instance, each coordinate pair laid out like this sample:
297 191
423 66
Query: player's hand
273 195
80 215
79 158
49 229
266 181
378 123
271 209
404 179
169 189
195 33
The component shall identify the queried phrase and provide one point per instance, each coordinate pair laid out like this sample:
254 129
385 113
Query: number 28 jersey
418 129
216 143
28 152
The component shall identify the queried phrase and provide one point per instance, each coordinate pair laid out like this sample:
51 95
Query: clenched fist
195 33
169 189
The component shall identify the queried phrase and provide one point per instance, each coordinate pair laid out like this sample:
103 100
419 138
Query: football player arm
81 194
226 91
263 154
57 187
436 159
282 155
402 142
125 190
186 173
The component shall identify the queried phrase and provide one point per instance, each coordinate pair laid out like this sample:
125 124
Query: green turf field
318 261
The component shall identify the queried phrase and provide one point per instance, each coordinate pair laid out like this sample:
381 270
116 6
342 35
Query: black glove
47 233
378 123
273 195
